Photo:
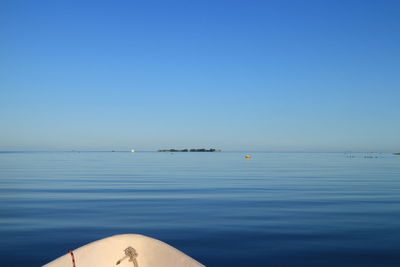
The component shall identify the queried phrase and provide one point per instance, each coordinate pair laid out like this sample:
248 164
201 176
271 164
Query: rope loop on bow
130 253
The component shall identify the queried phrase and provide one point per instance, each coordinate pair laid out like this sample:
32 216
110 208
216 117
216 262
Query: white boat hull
109 251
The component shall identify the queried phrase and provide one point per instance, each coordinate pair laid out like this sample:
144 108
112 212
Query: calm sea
275 209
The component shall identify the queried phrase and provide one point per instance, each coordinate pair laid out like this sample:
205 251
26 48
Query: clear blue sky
236 75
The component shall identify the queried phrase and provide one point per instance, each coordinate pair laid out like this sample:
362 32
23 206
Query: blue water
276 209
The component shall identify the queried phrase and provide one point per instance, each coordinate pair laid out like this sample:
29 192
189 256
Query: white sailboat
125 250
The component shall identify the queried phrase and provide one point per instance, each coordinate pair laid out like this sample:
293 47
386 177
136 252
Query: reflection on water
275 209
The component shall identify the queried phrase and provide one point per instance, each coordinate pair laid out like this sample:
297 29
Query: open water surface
276 209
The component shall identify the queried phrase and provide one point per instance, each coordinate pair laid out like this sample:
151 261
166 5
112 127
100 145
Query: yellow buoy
247 157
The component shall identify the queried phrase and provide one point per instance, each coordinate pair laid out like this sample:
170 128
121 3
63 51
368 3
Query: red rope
73 258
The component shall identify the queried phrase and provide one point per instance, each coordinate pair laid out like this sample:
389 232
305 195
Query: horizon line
238 151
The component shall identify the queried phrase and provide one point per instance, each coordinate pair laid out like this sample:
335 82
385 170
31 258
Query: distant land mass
398 153
190 150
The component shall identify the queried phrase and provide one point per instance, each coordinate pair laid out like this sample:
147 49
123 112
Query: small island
190 150
397 154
